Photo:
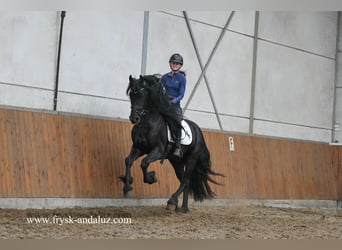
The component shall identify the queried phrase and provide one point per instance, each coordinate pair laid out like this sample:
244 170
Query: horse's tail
201 176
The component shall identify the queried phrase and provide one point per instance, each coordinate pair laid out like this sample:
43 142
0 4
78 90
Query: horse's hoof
151 177
183 210
153 180
128 194
171 207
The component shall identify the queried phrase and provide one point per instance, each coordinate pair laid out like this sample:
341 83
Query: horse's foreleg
128 179
150 177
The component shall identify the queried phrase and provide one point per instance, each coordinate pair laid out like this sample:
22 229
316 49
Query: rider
174 83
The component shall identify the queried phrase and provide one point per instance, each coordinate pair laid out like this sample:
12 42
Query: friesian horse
151 113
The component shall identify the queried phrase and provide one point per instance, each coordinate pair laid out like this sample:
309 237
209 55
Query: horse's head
138 94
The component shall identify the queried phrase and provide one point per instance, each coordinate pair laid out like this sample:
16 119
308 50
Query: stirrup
178 152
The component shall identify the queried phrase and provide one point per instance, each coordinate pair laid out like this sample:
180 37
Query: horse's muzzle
134 119
136 114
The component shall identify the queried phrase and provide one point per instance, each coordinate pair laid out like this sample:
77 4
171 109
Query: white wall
28 58
294 70
295 74
228 74
338 108
100 50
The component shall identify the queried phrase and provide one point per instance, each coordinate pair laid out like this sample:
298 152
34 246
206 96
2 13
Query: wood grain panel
272 168
337 168
52 155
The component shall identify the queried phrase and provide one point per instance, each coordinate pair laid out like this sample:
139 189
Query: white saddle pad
186 136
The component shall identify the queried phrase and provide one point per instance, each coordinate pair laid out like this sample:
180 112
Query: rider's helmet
177 58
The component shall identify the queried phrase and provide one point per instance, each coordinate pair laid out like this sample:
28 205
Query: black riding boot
178 150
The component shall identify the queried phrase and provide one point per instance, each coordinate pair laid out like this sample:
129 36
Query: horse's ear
130 77
142 79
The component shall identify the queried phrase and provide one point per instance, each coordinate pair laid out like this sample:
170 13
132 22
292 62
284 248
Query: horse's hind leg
127 179
172 203
185 184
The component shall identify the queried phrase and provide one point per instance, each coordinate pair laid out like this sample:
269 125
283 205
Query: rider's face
175 66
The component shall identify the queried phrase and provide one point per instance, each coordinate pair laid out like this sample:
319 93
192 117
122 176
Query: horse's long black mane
158 99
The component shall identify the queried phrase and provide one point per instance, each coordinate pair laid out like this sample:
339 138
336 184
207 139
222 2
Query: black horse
151 112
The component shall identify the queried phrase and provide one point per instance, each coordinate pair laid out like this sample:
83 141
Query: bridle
139 110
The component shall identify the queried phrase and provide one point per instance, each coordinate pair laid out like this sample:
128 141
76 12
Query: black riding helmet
177 58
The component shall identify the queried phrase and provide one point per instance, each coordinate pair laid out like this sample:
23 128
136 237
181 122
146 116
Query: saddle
186 135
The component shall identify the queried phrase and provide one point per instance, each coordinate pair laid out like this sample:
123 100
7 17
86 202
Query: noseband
140 111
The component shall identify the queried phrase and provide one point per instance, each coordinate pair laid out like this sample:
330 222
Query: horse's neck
152 118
